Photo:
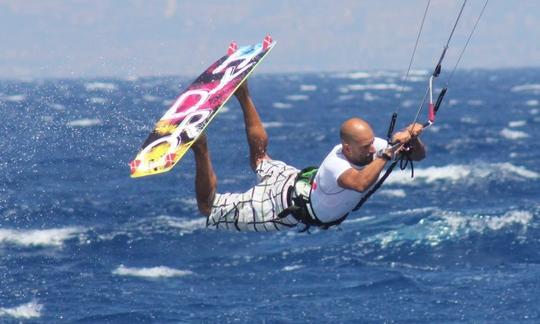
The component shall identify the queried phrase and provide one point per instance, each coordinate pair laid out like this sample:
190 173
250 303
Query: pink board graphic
195 108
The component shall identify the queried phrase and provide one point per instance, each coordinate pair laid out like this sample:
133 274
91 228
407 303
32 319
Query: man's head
357 141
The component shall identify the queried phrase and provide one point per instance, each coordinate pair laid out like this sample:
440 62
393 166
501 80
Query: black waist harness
299 202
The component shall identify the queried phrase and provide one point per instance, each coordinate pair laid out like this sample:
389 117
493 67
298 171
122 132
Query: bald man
286 197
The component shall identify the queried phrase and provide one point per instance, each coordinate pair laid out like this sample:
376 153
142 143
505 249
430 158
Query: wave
297 97
308 87
373 86
161 225
394 193
154 272
357 75
272 124
513 134
369 97
54 237
98 100
531 103
150 98
534 87
459 172
28 310
281 105
100 86
85 122
15 98
517 123
475 102
448 225
292 267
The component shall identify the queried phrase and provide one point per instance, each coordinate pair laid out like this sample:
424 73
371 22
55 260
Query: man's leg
205 178
255 132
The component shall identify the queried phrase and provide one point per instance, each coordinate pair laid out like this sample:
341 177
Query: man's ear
346 148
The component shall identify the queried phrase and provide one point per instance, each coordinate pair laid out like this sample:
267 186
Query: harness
299 201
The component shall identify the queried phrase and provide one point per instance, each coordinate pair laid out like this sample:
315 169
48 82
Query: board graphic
195 108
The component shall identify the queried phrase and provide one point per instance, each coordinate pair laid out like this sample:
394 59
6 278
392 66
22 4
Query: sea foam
533 87
154 272
513 134
457 172
54 237
100 86
85 122
28 310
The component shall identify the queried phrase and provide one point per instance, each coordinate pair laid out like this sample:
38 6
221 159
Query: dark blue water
81 242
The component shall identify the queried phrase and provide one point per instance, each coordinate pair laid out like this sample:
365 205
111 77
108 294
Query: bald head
355 130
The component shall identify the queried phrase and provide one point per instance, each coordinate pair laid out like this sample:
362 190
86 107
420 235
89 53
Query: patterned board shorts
257 208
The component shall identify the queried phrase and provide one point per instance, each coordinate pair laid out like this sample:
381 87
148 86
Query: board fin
232 48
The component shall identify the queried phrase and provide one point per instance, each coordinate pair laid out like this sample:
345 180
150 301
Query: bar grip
391 127
440 99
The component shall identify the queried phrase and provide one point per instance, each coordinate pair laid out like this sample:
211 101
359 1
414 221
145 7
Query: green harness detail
299 199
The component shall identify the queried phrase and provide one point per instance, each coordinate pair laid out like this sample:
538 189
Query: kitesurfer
286 197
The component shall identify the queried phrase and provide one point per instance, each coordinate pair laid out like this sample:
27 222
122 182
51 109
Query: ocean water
82 242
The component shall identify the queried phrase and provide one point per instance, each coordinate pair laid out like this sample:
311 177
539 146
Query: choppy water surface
82 242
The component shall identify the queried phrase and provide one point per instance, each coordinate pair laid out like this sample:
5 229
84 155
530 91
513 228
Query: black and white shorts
257 208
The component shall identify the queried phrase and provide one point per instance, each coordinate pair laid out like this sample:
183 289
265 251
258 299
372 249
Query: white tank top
328 200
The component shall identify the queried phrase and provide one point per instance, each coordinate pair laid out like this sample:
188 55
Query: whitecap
531 103
456 172
534 111
394 193
153 272
185 225
292 267
517 170
431 174
369 97
517 123
419 72
475 102
168 102
15 98
469 120
150 98
534 87
445 225
407 103
85 122
345 97
513 134
28 310
415 79
358 75
48 237
57 106
297 97
100 86
308 87
98 100
375 86
272 124
281 105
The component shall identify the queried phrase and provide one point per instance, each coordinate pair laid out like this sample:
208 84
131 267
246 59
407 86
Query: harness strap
300 206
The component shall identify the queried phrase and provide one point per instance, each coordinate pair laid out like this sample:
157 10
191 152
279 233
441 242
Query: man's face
361 150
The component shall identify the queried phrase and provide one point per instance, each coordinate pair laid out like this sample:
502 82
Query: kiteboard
196 107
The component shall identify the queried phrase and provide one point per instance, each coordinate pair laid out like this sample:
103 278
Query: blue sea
82 242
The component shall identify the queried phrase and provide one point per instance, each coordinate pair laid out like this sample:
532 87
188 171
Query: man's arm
361 180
